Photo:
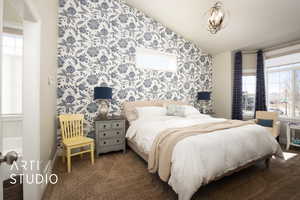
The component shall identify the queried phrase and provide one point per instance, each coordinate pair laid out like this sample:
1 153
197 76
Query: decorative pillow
175 110
265 122
150 112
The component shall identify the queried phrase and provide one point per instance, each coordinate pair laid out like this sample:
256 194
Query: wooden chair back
71 125
267 115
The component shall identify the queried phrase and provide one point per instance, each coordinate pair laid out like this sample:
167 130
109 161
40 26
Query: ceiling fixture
216 18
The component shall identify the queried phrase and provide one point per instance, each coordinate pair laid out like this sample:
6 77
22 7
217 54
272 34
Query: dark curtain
260 97
237 87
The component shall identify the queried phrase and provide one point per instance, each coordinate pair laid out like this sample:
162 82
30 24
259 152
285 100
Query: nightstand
110 134
291 133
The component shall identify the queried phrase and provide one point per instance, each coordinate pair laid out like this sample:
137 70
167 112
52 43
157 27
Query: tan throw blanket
163 145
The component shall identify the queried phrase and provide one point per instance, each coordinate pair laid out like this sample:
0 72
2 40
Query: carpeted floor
118 176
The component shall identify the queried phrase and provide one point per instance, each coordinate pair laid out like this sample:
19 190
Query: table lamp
103 95
203 97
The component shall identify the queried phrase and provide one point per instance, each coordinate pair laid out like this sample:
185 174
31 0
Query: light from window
297 93
249 84
155 60
283 85
12 59
280 92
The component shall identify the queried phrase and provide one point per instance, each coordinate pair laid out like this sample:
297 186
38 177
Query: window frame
282 68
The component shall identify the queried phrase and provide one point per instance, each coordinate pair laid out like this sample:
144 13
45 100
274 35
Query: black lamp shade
102 93
203 96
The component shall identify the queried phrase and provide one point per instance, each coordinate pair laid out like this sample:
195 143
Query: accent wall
97 46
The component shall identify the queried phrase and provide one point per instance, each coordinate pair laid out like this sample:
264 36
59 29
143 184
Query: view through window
12 59
283 85
155 60
249 84
280 92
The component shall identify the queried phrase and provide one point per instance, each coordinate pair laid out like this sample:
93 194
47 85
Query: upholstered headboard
129 110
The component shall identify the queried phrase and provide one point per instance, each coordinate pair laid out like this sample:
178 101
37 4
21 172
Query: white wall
222 84
249 61
48 11
41 63
11 17
31 104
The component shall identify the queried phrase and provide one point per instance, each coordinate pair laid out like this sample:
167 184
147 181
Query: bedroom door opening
11 116
19 99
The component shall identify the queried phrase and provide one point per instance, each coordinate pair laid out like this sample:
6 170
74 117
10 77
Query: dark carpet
118 176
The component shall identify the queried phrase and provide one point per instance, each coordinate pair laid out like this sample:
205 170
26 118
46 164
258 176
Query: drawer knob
117 140
118 133
104 142
117 124
104 134
104 126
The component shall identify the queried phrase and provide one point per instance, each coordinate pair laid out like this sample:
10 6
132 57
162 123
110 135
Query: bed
195 159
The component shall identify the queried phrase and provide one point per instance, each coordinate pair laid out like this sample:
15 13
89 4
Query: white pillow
190 110
150 111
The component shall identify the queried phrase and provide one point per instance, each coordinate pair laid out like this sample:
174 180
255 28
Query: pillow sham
171 109
150 112
175 110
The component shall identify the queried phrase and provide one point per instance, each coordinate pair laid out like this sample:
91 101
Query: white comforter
198 159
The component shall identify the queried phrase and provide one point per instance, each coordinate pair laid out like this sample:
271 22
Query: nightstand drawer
111 133
104 125
105 149
117 124
109 142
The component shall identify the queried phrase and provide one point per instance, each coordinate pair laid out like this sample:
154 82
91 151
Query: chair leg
92 153
69 159
63 155
81 155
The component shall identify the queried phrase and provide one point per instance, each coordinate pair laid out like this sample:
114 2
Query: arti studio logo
30 173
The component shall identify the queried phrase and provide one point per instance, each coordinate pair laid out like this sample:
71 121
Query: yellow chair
72 137
275 130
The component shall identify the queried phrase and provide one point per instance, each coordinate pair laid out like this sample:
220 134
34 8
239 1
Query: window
12 59
280 92
155 60
249 84
283 85
297 93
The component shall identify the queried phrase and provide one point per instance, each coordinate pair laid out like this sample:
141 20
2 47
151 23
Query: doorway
19 91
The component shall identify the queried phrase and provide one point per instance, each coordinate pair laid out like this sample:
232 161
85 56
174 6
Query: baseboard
47 171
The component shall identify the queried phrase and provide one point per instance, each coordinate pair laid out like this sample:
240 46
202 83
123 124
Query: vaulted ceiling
253 23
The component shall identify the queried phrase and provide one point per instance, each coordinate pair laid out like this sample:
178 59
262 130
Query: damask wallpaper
96 47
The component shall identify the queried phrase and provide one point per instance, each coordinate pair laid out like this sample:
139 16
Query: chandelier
216 18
